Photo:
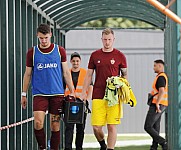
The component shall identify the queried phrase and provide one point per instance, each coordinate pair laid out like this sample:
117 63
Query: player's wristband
23 94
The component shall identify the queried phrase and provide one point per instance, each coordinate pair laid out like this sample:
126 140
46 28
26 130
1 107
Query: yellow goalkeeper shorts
102 114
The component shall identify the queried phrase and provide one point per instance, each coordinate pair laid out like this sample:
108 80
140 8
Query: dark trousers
152 124
69 129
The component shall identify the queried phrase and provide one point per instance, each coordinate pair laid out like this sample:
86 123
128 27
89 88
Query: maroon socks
40 137
55 140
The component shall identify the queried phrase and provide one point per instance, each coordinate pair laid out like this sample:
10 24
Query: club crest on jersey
112 61
41 66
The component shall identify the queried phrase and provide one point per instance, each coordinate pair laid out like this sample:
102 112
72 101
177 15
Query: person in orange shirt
78 76
158 106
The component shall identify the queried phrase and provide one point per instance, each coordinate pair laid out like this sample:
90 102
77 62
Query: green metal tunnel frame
71 13
18 22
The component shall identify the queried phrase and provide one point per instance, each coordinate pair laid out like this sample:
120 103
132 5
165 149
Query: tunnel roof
72 13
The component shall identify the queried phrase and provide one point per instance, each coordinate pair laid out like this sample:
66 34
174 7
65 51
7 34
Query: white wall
141 48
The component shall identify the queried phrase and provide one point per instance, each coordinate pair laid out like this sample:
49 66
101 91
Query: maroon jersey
29 55
106 64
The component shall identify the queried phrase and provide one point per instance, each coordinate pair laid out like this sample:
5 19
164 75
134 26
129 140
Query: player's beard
156 71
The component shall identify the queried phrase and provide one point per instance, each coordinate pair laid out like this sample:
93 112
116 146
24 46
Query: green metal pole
30 105
172 59
3 72
18 63
24 49
11 68
179 71
35 25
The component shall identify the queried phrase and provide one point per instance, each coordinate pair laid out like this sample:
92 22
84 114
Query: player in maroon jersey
106 62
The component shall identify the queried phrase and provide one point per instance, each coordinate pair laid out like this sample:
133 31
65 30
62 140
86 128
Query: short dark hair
44 28
159 61
75 54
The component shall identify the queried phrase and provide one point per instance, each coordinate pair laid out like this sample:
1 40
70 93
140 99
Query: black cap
75 54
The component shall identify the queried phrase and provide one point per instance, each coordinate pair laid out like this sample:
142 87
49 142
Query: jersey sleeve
63 54
123 61
91 64
161 82
29 58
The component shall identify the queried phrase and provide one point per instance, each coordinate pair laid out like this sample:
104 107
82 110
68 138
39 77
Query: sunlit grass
91 138
144 147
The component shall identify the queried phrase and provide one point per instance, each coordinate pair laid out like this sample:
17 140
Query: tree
117 23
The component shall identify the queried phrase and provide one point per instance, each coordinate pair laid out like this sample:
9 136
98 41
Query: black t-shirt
75 76
161 82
